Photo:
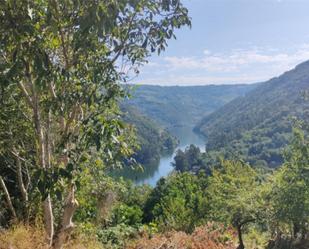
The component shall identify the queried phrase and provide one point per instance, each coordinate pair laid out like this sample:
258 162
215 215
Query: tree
290 188
232 196
191 159
178 202
61 62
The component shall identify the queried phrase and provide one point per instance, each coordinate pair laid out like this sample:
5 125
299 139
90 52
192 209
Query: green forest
152 140
68 119
257 126
173 106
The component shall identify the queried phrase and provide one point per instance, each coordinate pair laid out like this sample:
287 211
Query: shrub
211 236
27 237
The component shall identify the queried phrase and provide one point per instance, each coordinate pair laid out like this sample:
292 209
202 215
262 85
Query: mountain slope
153 139
258 125
183 106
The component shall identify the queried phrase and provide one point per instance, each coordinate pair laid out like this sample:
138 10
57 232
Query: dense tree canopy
61 63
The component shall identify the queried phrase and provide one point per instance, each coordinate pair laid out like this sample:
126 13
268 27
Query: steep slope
258 125
153 139
183 106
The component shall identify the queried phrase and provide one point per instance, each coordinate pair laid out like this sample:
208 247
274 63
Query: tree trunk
48 219
67 225
21 184
240 240
33 99
47 203
8 198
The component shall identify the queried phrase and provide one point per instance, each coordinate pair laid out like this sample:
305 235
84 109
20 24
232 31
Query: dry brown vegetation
206 237
26 237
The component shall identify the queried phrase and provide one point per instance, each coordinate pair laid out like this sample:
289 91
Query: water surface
152 173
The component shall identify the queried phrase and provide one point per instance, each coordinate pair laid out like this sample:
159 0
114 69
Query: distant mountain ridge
173 106
257 126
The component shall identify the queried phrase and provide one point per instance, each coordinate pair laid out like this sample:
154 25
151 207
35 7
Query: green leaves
179 203
61 62
290 187
230 199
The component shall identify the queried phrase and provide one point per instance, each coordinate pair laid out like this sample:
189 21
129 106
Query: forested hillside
152 139
178 106
258 125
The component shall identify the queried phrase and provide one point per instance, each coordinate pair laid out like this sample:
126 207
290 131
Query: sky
233 42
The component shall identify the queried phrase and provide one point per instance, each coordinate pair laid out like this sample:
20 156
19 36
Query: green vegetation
152 139
178 203
265 206
258 126
62 131
235 203
191 159
60 89
172 106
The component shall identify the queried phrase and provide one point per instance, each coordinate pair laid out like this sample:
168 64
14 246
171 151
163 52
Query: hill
257 126
153 139
183 105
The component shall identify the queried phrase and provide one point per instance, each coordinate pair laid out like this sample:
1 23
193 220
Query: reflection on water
152 173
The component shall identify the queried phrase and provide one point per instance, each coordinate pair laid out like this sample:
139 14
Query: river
152 173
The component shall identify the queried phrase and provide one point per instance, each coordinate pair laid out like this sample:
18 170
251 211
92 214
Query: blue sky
233 41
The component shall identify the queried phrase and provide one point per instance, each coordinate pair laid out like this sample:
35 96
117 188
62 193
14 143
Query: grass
27 237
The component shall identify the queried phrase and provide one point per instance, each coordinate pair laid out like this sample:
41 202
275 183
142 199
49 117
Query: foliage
191 159
61 64
230 200
257 127
290 188
210 236
178 202
152 139
173 106
117 236
128 215
27 237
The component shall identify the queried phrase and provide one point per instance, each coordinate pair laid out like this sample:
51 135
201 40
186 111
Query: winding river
152 173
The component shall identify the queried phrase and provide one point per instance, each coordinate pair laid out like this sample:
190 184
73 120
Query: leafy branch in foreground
60 65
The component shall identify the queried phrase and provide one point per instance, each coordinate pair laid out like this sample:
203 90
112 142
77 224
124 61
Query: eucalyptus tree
62 62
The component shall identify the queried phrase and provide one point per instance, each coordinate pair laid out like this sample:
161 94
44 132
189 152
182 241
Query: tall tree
233 197
290 188
62 61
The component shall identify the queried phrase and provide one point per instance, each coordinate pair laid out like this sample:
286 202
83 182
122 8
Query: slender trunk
8 199
48 219
67 225
33 103
47 204
21 184
240 240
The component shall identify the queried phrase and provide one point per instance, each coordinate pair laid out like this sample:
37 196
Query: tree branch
25 94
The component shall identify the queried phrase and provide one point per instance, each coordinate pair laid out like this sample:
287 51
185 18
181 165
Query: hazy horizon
233 42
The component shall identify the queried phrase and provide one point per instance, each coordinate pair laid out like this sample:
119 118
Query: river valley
152 173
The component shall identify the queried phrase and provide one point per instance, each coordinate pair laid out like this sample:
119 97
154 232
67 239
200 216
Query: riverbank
151 173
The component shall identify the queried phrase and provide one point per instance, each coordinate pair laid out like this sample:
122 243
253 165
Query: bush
211 236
